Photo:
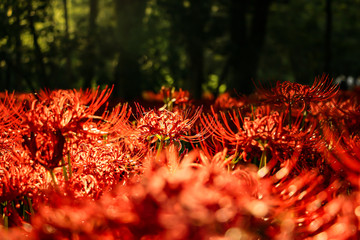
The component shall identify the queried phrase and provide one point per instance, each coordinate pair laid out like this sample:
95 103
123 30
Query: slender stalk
263 159
28 210
69 165
303 120
64 169
30 205
24 210
53 178
5 214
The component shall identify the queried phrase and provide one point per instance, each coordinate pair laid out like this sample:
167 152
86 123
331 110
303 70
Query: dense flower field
283 163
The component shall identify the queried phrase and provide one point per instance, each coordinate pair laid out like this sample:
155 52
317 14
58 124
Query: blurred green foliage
203 45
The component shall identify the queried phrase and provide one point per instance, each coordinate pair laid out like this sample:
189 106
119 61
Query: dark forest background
198 45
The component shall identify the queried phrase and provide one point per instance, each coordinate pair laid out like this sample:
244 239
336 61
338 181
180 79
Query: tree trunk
18 53
129 37
195 52
67 48
90 53
38 53
239 44
247 42
198 14
328 33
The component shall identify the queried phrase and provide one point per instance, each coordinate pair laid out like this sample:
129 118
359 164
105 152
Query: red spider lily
18 177
14 182
166 125
114 122
331 109
10 108
135 146
98 167
19 181
113 185
246 135
343 112
291 93
62 114
298 96
72 111
76 99
93 168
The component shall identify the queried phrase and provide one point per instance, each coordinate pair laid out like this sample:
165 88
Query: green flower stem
27 209
5 214
69 165
53 178
252 112
64 169
105 137
24 210
263 159
303 120
30 205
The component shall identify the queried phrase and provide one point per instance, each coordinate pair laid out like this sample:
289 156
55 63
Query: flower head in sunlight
166 125
60 115
74 111
11 107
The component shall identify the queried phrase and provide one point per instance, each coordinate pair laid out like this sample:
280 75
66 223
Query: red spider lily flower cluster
61 114
43 134
280 165
166 125
265 134
10 108
296 98
292 93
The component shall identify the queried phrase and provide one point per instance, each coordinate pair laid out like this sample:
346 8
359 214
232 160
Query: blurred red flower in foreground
171 201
